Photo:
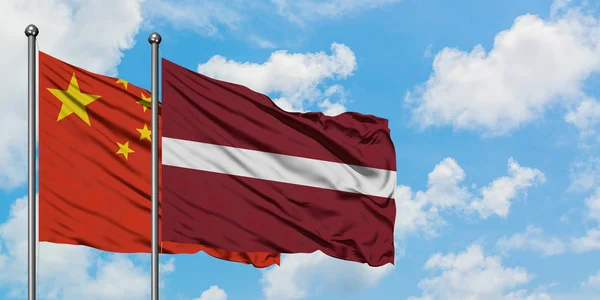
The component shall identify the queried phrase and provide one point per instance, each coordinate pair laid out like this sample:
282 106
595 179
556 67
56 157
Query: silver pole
154 39
31 32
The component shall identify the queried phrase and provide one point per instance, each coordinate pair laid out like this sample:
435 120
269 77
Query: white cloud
261 42
585 175
589 242
496 196
593 282
415 214
213 293
209 17
293 79
559 6
523 295
427 53
444 187
333 108
575 296
592 204
585 117
533 65
69 30
472 275
67 271
420 212
301 11
237 17
117 278
201 16
303 274
532 239
286 105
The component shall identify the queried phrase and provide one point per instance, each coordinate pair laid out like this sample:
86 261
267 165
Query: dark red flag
243 175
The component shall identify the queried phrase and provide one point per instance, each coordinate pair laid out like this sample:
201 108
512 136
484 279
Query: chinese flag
95 166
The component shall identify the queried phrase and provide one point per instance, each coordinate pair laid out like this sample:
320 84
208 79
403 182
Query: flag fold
242 174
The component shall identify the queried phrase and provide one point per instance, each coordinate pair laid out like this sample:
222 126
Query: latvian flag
243 175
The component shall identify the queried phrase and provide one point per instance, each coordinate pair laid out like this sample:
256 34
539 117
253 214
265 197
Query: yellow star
123 81
73 101
144 133
124 149
145 102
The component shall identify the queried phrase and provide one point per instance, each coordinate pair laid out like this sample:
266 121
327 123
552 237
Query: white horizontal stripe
277 167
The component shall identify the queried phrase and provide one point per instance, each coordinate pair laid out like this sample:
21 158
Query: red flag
243 175
94 164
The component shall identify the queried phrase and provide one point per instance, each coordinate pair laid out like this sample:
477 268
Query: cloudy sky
494 111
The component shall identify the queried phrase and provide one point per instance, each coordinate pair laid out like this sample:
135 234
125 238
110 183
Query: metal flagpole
154 39
31 32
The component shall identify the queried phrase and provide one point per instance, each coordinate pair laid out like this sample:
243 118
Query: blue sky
493 110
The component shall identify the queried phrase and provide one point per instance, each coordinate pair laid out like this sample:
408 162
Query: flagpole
31 32
154 39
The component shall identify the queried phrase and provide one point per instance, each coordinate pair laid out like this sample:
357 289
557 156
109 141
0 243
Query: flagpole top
154 38
32 30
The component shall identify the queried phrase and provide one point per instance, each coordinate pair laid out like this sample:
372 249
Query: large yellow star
145 102
144 133
123 81
73 101
124 149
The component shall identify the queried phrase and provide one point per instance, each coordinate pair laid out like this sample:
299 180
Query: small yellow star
144 133
73 101
123 81
145 102
124 149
